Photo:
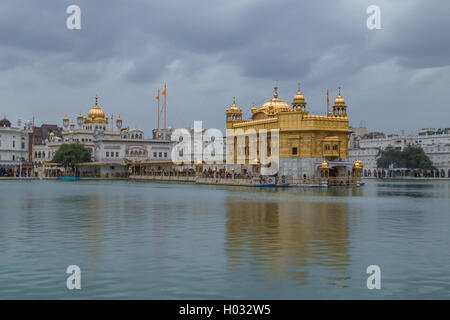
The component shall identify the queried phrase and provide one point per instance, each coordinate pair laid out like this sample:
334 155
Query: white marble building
14 148
435 145
111 148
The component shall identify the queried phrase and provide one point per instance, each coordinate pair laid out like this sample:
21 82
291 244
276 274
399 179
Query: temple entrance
333 172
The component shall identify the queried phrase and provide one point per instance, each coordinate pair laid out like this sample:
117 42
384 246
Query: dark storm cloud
419 36
209 51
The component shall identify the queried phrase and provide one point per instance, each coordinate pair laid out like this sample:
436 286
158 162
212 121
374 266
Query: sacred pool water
141 240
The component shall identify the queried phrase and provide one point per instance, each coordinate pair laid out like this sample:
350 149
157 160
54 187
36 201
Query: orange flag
157 97
328 104
164 92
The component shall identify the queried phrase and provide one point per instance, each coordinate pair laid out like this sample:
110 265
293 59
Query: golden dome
339 100
275 104
52 134
66 118
358 164
324 165
80 116
72 125
96 114
299 98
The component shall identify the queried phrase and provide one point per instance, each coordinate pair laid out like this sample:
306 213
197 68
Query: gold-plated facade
301 135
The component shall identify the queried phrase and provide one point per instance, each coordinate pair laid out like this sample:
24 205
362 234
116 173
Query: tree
415 158
71 154
388 157
411 157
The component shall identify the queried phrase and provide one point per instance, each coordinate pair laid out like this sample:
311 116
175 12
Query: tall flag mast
32 143
157 132
164 93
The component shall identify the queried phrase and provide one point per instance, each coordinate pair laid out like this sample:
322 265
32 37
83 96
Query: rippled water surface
138 240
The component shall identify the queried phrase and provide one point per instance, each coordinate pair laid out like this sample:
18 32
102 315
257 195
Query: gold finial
234 106
275 95
96 99
339 90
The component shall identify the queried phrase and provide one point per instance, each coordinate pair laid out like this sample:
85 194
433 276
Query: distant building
433 131
15 149
353 139
112 149
435 143
41 135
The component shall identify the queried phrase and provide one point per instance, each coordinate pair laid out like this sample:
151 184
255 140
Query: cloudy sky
208 51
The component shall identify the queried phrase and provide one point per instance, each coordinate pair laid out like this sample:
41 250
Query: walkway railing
342 181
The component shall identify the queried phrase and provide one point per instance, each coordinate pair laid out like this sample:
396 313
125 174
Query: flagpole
157 134
165 94
32 145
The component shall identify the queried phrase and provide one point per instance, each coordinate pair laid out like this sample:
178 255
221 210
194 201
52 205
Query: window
14 145
160 154
294 150
117 154
165 154
107 154
23 145
154 154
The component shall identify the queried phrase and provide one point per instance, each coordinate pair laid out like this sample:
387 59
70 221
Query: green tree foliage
411 157
71 154
387 157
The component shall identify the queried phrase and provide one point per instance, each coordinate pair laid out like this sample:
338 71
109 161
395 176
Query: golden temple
308 144
301 135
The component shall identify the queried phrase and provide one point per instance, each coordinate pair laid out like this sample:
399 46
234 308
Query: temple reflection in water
288 240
